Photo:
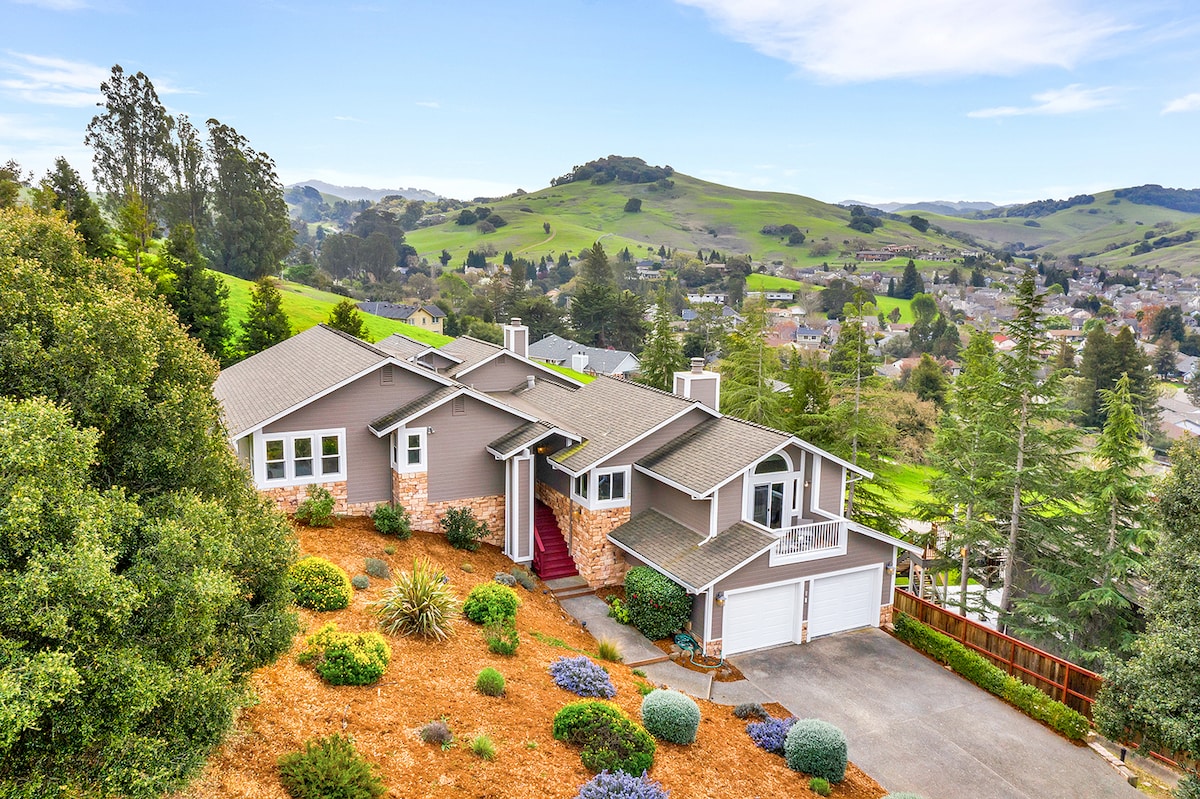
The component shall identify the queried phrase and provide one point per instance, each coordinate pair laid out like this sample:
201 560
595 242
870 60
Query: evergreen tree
891 291
662 356
1157 692
601 315
515 294
266 323
186 197
1166 358
748 369
67 193
346 318
911 283
954 278
135 228
1065 360
929 382
809 394
541 316
198 297
978 280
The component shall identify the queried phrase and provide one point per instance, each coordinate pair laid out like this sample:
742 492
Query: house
570 477
428 317
561 351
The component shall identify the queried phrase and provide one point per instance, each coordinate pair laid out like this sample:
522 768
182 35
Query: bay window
293 459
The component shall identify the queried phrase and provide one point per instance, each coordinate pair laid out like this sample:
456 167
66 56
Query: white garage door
764 617
844 602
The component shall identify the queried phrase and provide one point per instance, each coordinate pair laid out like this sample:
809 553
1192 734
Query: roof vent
530 381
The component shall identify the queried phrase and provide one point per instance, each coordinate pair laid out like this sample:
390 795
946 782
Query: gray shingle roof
284 376
470 351
678 550
413 407
520 438
390 310
710 452
557 349
401 346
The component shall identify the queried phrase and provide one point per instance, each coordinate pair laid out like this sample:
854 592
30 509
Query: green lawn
307 307
885 304
911 486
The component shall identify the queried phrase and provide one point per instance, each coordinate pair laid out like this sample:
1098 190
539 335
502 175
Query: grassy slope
684 218
307 307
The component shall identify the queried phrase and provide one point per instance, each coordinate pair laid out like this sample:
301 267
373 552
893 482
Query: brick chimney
516 337
699 384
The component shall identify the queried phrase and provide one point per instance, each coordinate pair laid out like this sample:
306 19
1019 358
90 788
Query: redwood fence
1061 679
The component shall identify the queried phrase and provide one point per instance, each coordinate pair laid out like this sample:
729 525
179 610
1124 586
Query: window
610 486
581 486
408 450
305 457
771 494
602 488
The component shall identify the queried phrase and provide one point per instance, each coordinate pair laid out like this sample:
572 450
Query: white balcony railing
809 541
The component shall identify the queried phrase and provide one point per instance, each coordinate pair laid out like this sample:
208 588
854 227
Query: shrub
618 611
524 578
1188 788
502 637
816 747
377 568
393 520
619 785
583 677
979 670
467 567
607 650
420 603
671 716
329 768
344 658
319 585
317 509
770 733
644 688
491 602
437 732
657 605
610 740
505 579
463 530
390 549
361 582
482 747
490 682
820 786
751 710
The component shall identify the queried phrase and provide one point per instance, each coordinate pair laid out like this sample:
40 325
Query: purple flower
769 734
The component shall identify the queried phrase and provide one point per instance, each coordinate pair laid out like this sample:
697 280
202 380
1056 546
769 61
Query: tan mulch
428 681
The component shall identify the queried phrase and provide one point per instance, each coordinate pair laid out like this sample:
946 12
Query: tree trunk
1014 523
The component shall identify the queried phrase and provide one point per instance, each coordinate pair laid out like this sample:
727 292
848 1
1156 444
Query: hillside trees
748 368
346 318
911 284
602 315
141 577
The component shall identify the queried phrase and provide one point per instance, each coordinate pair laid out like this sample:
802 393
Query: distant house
582 358
874 255
729 317
428 317
773 296
695 298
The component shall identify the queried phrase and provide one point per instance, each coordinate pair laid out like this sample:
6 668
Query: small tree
633 205
266 324
346 318
663 355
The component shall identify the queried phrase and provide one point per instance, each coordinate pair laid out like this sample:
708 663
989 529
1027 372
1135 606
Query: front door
768 504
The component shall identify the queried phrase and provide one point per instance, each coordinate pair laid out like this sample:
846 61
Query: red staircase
551 559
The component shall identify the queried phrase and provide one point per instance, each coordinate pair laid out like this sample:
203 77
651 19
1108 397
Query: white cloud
1071 99
34 144
882 39
1189 102
46 80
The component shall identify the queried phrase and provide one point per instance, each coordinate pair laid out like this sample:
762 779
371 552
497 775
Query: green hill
691 215
306 307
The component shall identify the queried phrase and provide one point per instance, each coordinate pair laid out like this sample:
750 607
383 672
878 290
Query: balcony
809 541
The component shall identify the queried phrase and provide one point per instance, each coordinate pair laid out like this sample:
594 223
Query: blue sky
875 100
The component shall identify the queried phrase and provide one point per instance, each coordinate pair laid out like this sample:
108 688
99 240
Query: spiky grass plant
420 602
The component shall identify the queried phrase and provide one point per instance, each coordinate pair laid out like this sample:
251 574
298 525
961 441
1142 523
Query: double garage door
770 616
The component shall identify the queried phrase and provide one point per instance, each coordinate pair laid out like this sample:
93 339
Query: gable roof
294 372
684 554
390 310
402 346
473 353
557 349
703 457
384 424
521 438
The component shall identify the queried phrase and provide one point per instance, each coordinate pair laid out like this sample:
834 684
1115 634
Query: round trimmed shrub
819 786
658 606
816 747
610 739
491 602
329 768
670 716
619 785
318 584
490 682
361 582
345 658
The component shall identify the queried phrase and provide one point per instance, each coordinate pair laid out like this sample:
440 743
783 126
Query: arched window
770 495
775 463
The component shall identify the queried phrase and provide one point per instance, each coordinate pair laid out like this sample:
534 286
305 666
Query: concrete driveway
915 726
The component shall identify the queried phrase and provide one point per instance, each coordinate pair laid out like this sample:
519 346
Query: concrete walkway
915 726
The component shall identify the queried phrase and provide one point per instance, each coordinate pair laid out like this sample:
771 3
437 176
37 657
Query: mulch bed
427 681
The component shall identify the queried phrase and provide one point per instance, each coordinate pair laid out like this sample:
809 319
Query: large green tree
749 369
62 190
602 314
266 322
346 318
662 356
142 578
198 296
1157 692
185 200
251 234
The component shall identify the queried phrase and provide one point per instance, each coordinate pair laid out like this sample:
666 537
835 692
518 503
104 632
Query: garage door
844 602
764 617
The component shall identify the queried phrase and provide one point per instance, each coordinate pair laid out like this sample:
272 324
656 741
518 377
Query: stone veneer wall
885 616
412 491
598 561
288 498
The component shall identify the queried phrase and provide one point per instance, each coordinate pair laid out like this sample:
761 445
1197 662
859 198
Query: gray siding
693 513
523 510
830 499
368 474
460 466
698 602
504 373
860 551
729 504
656 439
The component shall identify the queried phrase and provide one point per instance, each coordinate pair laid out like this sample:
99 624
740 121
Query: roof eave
650 562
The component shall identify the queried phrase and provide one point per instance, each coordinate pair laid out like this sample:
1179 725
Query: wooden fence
1070 684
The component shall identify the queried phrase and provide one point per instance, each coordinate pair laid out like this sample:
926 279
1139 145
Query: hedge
979 670
658 606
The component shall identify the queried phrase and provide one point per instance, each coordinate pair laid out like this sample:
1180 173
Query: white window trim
792 480
400 436
290 478
592 501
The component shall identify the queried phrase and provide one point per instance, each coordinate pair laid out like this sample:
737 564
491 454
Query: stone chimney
699 384
579 361
516 337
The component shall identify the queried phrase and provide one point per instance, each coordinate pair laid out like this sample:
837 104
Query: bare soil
427 681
